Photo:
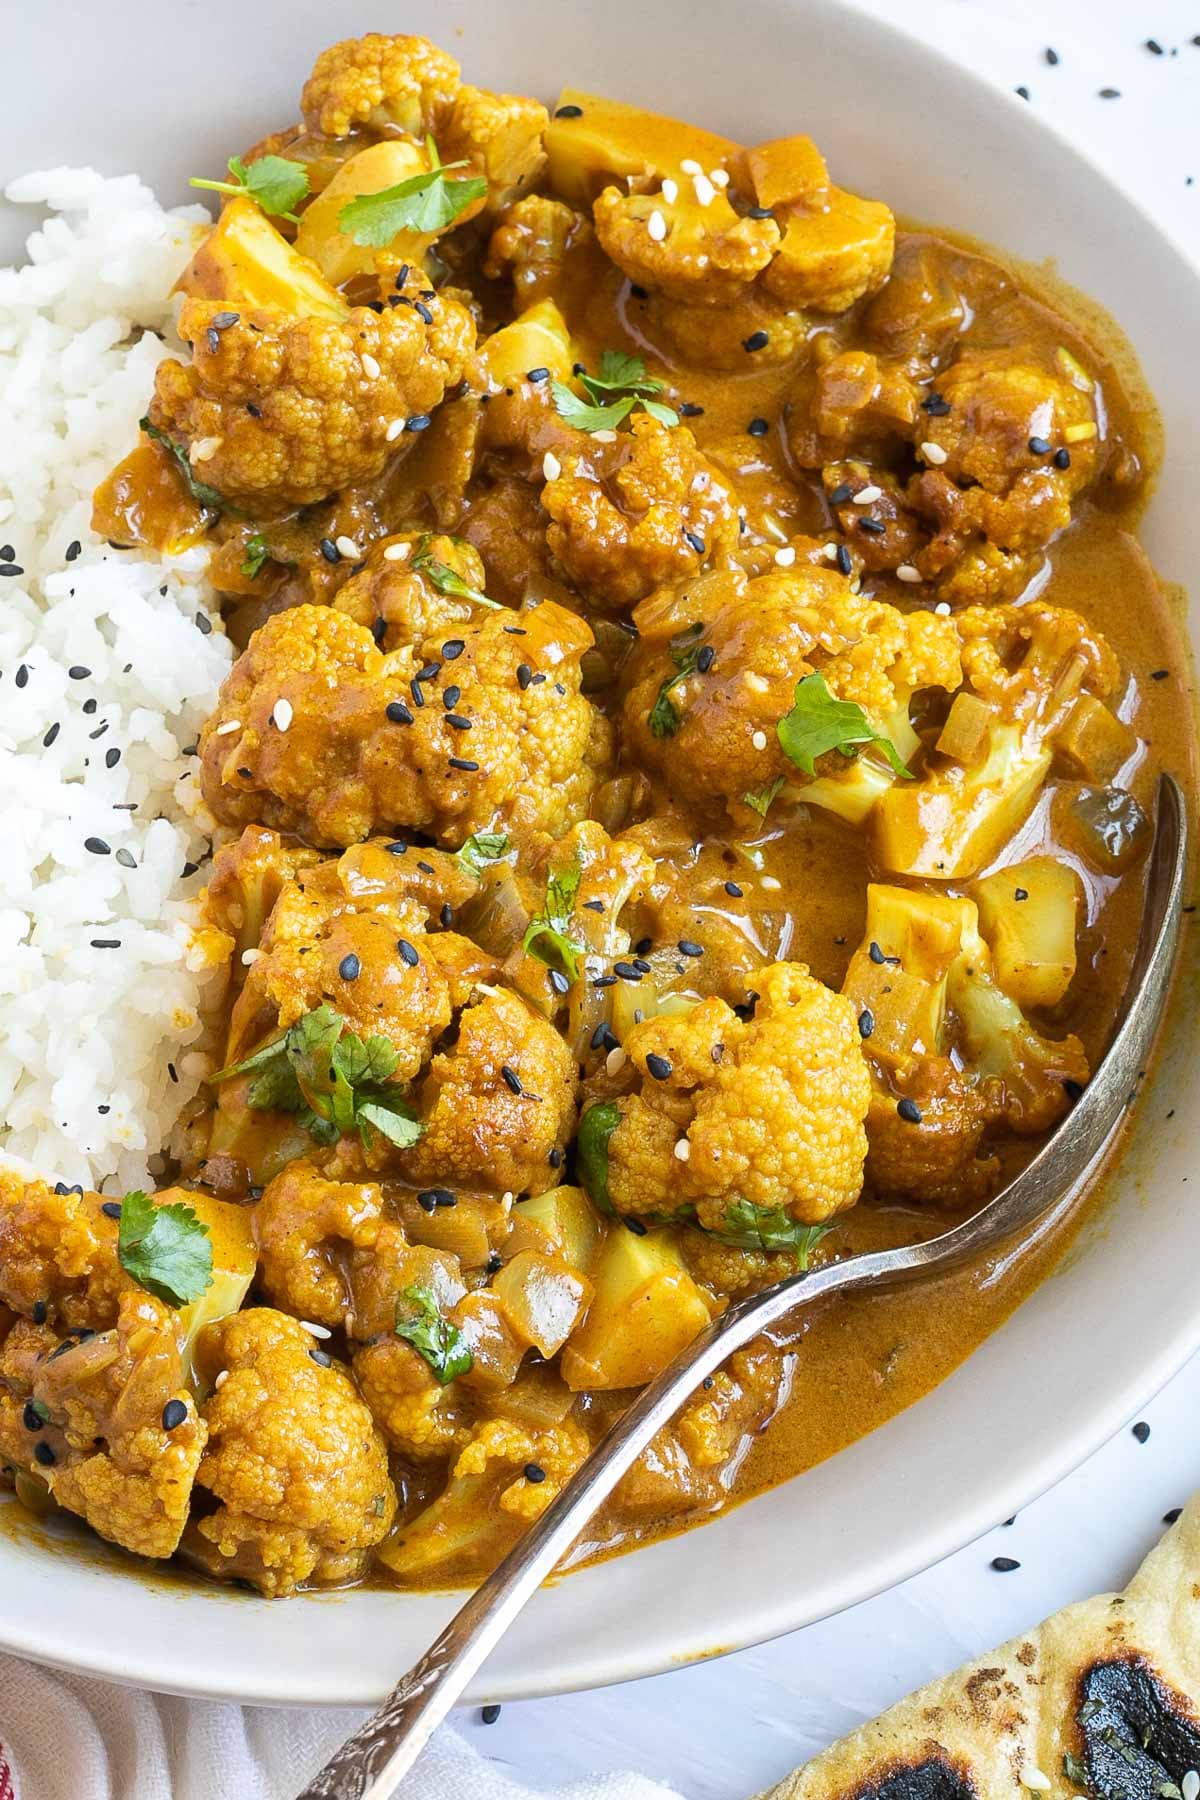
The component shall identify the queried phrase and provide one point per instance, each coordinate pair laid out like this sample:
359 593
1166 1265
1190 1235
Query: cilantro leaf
612 395
445 579
481 849
817 723
760 800
276 182
424 203
1074 1770
256 554
664 718
166 1249
772 1229
431 1334
548 934
334 1081
200 491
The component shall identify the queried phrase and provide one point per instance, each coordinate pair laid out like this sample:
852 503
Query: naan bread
1102 1698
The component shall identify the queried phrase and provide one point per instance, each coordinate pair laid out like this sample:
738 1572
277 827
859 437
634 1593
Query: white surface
723 1730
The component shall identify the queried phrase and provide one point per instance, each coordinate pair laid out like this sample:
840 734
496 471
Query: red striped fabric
7 1791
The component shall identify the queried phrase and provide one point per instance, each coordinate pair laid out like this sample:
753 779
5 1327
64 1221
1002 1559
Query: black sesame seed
111 759
872 527
563 112
512 1080
458 722
1154 47
537 374
31 1418
689 947
451 697
254 411
39 1311
705 659
111 1209
428 672
407 952
1159 674
1072 1089
51 734
658 1066
866 1022
626 971
733 890
350 968
639 293
689 410
453 648
45 1455
89 707
77 672
1169 1518
636 1226
73 550
1110 93
844 562
1004 1565
425 868
534 1472
876 954
423 310
464 763
446 915
427 1201
841 493
524 676
935 405
11 569
396 848
97 846
322 1358
559 982
514 631
554 1157
1023 91
909 1111
172 1071
329 550
641 965
758 428
419 421
1062 458
489 1714
1020 893
204 624
1141 1431
399 714
1039 446
214 338
759 212
758 340
223 320
1051 56
173 1415
414 688
105 943
596 906
695 540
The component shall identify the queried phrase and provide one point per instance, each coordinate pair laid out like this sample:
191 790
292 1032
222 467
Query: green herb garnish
275 182
1074 1770
597 1125
445 579
621 385
818 722
200 491
548 934
772 1229
664 717
760 800
423 203
331 1079
430 1333
481 849
166 1249
256 555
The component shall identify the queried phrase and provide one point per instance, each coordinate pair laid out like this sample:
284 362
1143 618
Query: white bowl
171 91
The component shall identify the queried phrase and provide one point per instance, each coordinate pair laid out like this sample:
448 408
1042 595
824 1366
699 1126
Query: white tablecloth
724 1730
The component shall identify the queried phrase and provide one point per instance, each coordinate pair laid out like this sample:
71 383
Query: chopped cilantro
430 1333
166 1249
275 182
423 203
817 723
612 395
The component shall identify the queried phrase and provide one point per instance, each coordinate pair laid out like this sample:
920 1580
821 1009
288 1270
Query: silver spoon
371 1764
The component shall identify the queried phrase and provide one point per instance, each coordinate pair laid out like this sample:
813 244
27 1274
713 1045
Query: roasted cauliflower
383 83
58 1255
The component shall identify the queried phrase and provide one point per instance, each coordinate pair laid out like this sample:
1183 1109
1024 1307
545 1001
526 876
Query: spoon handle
371 1764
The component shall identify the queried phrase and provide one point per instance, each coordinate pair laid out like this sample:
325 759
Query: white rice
95 1063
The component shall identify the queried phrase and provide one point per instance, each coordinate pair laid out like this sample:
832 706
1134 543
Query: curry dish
680 809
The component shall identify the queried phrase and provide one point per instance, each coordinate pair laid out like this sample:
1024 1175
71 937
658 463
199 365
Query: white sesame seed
249 957
1189 1787
867 496
942 609
348 548
786 557
719 177
222 1378
706 193
281 714
230 726
690 167
604 436
370 366
204 448
614 1062
933 453
829 552
318 1331
670 191
1036 1779
682 1149
656 225
393 431
755 682
907 572
759 740
551 467
771 884
397 553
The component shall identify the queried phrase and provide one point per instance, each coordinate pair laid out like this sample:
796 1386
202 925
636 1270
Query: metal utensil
371 1764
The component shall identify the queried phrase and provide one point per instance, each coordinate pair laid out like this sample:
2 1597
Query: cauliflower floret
394 595
771 1109
501 136
715 670
659 515
830 258
496 1105
369 746
116 1436
277 411
58 1255
421 1419
530 245
671 242
758 333
383 83
294 1460
556 1451
937 1159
